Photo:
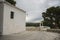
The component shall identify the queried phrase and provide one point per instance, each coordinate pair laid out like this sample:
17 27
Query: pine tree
52 17
11 2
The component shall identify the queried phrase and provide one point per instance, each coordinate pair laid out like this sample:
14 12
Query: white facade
2 0
15 25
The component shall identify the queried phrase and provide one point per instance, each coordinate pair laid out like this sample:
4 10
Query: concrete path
32 35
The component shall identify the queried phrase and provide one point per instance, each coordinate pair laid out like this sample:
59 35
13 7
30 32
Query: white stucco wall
2 0
15 25
1 18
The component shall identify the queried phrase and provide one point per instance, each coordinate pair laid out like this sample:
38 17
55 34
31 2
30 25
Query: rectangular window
12 15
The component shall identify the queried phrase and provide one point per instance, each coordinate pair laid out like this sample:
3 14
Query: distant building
12 19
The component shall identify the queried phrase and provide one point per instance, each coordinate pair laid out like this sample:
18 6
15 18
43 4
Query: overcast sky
34 8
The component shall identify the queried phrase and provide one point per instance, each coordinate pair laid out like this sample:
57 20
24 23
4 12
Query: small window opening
12 15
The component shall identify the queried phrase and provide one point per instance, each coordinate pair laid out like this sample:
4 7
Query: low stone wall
54 30
32 29
35 29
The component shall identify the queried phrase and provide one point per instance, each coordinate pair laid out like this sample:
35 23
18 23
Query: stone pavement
32 35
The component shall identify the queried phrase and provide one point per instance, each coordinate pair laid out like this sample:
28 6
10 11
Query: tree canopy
52 17
33 24
11 2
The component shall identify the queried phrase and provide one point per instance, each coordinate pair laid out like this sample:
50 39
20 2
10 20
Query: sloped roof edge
12 6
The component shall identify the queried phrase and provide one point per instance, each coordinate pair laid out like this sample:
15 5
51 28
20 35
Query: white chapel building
12 19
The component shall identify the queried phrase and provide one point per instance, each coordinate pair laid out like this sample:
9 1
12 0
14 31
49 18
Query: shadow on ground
57 38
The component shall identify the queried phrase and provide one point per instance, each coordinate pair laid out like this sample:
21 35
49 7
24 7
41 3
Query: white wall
15 25
2 0
1 18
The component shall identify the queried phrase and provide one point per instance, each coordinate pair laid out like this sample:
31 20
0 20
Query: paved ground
32 35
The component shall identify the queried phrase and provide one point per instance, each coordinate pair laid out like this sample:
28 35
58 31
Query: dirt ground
32 35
